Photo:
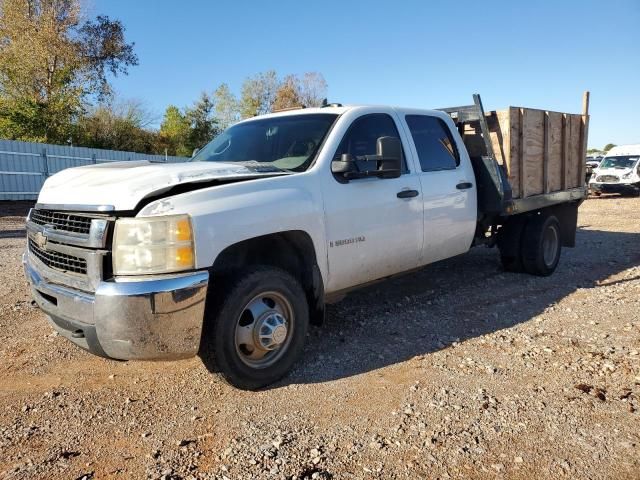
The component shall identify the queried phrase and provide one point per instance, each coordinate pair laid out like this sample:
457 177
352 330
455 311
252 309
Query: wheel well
292 251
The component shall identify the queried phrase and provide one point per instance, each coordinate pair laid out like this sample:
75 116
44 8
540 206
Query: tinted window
434 143
361 138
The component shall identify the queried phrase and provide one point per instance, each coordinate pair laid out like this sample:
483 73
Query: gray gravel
457 371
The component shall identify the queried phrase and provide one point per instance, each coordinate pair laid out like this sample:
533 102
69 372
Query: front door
373 228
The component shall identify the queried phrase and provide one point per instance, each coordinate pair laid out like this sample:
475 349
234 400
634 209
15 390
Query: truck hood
124 184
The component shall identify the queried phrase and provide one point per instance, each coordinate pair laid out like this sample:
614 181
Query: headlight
627 175
153 245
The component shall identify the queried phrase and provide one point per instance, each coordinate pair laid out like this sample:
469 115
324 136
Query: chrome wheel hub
271 331
263 330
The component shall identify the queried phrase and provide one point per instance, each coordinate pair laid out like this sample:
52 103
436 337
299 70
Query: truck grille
58 261
607 179
62 221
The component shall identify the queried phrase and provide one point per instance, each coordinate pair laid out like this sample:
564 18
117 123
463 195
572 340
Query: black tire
540 253
510 244
224 311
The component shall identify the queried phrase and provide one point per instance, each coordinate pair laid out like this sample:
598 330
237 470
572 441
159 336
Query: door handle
407 193
464 185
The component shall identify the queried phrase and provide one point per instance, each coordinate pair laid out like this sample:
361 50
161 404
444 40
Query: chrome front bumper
148 318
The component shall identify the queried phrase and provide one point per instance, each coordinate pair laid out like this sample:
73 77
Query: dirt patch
457 371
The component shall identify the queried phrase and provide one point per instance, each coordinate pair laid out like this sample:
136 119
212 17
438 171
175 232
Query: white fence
24 166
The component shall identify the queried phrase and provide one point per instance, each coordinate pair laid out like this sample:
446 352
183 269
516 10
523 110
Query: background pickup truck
235 252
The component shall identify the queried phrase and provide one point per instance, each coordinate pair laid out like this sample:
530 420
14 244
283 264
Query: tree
226 106
174 133
103 49
258 94
595 151
608 147
51 65
117 126
182 132
202 123
313 89
288 94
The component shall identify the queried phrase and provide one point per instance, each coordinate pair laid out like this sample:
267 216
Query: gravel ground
457 371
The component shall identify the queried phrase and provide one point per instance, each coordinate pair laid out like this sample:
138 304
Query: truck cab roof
339 110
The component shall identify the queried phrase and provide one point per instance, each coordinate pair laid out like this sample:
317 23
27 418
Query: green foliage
258 94
202 123
174 132
227 109
608 147
55 66
594 151
51 65
264 93
122 126
29 120
182 132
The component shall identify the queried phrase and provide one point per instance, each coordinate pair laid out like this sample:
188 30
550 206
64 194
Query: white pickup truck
238 250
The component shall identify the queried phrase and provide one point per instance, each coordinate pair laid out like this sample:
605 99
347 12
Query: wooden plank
514 162
500 135
575 148
583 154
545 152
554 169
533 151
584 133
585 102
566 133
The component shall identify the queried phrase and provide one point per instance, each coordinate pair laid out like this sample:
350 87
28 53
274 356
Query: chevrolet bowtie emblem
40 239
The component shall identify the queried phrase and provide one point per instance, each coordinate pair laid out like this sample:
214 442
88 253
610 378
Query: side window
434 143
363 134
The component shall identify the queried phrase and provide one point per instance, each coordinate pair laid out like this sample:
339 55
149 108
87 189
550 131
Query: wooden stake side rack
541 152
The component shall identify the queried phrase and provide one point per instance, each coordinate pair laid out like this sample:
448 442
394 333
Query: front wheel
541 245
260 322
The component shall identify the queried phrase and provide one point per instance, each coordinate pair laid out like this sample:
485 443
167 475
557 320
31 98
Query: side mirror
389 153
386 163
344 165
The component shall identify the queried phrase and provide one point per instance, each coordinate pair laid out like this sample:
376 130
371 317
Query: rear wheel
541 245
259 326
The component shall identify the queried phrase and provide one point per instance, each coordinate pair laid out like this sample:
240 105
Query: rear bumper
615 187
146 318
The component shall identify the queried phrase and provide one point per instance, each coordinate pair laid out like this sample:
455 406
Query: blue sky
427 54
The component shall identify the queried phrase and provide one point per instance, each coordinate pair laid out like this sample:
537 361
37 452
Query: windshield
278 143
619 162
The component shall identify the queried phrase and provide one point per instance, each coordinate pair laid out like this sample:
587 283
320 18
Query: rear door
448 186
374 225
